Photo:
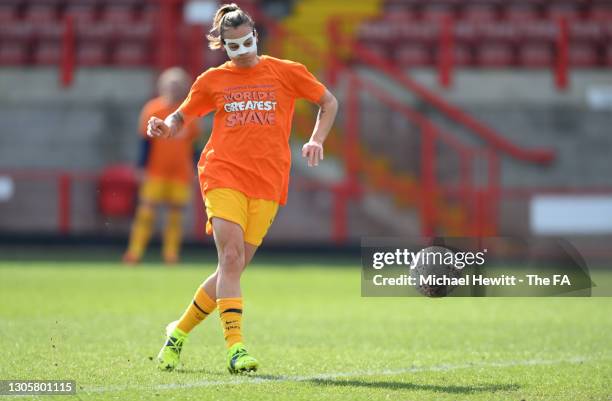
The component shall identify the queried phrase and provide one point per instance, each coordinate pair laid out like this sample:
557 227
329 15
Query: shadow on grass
394 385
390 385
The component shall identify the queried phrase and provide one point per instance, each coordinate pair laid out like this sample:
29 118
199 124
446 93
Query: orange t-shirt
172 158
248 149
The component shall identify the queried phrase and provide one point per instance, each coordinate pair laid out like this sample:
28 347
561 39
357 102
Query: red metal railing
68 53
447 49
484 132
478 203
479 199
369 58
562 59
65 182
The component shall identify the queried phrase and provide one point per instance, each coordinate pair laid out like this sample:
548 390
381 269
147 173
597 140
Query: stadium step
403 187
310 18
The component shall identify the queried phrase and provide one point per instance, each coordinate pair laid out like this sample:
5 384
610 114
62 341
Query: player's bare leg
204 302
231 251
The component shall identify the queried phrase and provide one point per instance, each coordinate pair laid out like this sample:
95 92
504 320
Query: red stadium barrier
485 132
562 62
117 191
446 54
68 52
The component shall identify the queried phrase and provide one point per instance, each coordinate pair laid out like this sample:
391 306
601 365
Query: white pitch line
336 375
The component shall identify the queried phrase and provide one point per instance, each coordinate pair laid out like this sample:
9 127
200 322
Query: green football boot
170 354
239 360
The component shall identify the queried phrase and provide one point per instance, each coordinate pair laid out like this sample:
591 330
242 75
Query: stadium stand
126 39
491 33
108 32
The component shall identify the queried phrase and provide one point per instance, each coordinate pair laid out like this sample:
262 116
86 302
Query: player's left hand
313 152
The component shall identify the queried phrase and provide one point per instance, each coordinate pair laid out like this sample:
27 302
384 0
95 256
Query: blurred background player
168 175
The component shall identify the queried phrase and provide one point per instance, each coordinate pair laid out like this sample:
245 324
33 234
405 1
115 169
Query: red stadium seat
401 15
8 13
13 53
479 12
424 32
150 12
462 56
600 12
586 31
48 53
582 55
141 31
118 12
520 12
494 55
91 54
540 31
376 30
41 12
413 55
20 32
492 33
556 10
606 32
377 47
95 32
466 32
82 11
48 31
608 56
419 31
131 54
400 5
497 32
437 11
535 55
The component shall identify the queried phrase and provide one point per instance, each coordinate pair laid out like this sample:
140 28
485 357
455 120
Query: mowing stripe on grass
260 379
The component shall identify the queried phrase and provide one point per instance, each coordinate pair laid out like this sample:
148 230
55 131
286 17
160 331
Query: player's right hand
157 128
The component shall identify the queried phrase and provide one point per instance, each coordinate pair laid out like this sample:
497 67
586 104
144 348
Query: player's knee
176 208
232 260
147 206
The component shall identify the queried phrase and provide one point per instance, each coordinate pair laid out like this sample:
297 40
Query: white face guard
242 49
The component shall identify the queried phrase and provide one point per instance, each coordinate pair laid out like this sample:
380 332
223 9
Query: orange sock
197 311
172 235
230 312
141 231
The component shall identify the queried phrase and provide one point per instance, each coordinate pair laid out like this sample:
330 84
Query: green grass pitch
316 338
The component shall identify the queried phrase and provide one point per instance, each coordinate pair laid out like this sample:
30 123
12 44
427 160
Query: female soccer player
169 172
244 167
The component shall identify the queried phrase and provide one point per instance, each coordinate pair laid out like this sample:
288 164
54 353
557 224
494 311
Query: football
432 264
